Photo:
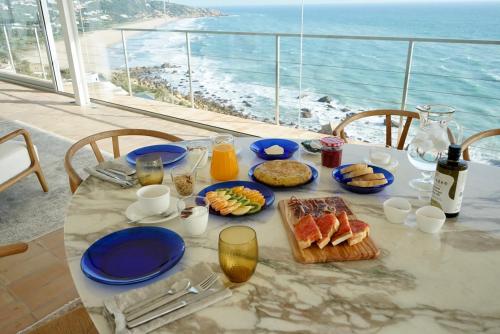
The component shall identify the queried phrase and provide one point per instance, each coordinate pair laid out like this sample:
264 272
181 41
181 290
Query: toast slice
366 184
360 230
344 232
369 177
358 172
353 167
327 224
306 231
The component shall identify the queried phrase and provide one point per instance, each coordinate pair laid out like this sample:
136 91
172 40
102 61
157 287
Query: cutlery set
154 307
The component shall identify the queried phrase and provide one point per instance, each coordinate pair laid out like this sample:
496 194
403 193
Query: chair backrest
410 115
74 179
472 139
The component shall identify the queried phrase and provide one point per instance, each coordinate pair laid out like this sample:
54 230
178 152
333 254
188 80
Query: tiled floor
35 283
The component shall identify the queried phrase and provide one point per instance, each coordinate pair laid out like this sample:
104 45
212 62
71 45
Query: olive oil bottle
449 182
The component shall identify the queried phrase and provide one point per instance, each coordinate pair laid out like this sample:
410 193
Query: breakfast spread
274 150
325 229
283 173
362 176
237 201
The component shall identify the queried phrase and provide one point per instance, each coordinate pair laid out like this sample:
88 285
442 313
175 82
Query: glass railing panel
23 45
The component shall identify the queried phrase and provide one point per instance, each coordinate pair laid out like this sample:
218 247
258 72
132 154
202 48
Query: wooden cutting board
364 250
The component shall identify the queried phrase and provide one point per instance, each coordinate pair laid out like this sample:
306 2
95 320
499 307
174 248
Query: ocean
355 75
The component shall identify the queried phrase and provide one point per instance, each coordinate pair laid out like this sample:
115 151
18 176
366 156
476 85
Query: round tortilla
283 173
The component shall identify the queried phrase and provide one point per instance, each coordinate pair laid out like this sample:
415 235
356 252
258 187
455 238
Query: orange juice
224 164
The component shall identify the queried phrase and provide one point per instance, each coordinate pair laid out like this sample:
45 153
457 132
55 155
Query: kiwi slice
255 207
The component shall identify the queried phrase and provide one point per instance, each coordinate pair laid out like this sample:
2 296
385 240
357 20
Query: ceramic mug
154 199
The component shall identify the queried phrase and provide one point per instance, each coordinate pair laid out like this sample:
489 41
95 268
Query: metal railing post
277 81
39 52
125 55
9 49
188 50
406 83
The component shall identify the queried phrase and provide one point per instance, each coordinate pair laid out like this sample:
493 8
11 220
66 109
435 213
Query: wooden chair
472 139
74 179
18 160
339 130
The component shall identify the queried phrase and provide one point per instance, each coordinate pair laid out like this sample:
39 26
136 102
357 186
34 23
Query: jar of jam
331 151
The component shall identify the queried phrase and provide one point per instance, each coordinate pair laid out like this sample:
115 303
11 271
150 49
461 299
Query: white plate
134 212
391 166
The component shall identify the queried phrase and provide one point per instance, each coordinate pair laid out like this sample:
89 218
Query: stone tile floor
35 283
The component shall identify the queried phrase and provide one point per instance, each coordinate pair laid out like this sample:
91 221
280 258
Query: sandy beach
95 43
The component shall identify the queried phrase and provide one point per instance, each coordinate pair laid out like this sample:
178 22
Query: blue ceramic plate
337 175
265 191
169 153
314 176
259 146
132 255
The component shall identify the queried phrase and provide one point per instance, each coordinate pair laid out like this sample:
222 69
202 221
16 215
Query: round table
445 282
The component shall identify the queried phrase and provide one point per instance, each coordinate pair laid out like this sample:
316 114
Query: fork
200 287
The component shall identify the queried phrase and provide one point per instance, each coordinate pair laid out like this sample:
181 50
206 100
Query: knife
169 308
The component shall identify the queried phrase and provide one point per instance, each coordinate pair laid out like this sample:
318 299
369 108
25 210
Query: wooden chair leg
41 178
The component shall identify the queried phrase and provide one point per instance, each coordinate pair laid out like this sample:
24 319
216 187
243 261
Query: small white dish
393 164
396 210
154 199
134 212
430 219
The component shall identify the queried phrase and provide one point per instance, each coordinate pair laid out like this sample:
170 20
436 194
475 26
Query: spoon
178 286
198 161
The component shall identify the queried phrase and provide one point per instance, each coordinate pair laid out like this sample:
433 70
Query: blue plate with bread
362 178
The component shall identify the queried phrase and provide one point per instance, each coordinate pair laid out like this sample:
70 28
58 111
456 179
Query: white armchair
18 159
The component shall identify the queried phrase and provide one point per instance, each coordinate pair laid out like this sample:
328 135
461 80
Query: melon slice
306 231
344 232
327 224
242 210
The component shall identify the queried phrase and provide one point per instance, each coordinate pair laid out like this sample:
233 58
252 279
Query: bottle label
448 190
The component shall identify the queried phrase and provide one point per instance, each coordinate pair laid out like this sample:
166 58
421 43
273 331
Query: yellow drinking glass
149 169
224 165
238 253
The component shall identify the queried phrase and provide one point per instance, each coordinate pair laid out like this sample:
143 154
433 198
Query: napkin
92 171
115 305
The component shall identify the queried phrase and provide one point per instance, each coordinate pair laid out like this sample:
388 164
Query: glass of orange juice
224 165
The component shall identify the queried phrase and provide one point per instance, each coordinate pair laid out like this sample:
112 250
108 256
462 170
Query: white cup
193 212
430 219
396 210
154 199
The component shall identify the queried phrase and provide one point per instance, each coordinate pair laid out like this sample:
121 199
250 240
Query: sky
296 2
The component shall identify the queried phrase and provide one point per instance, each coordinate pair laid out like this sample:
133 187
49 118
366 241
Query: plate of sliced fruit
237 198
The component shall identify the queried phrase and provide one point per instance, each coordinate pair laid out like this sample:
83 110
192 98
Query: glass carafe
436 131
224 164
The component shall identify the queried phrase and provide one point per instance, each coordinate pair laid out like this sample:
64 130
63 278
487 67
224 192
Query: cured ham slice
306 231
344 232
360 230
327 224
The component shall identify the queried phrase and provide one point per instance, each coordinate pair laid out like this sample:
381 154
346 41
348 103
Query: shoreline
95 43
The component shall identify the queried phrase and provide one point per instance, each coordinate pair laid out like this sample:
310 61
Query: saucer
134 212
391 166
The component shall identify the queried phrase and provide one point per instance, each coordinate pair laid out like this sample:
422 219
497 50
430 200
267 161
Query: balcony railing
411 41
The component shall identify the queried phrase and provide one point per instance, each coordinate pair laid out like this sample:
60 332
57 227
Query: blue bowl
337 175
289 146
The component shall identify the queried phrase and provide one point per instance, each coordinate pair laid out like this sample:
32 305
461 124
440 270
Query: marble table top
445 282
